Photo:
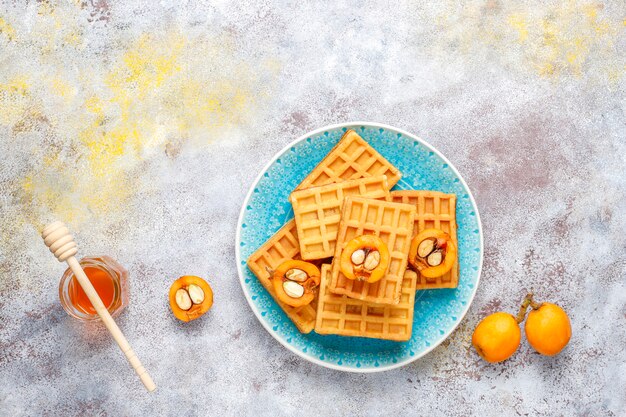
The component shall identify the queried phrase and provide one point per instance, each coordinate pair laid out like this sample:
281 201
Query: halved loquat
190 297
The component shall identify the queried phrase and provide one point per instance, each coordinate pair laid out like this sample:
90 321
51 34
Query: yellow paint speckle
61 88
44 7
573 39
564 39
14 98
6 29
591 10
518 22
73 38
159 90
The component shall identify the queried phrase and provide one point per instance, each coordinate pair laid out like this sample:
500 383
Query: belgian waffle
393 223
339 314
281 247
434 210
351 158
317 212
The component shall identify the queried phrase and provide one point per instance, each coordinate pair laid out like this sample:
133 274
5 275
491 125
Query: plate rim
268 328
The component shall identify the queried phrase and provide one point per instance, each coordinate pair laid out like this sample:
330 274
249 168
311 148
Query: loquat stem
528 301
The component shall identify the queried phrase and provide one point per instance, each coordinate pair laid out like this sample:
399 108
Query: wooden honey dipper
57 237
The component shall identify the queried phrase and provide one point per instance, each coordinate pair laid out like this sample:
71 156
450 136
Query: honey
110 281
101 281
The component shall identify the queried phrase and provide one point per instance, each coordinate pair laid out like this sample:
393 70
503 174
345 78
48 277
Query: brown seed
293 289
435 258
183 301
425 248
195 293
372 260
358 256
296 274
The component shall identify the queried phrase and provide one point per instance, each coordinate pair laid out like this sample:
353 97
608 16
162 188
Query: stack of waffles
347 195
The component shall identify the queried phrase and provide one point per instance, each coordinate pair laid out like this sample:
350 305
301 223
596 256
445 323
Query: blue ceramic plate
437 312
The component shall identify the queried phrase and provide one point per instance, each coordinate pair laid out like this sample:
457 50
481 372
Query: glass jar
109 278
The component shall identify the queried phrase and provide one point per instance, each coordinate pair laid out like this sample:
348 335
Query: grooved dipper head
57 237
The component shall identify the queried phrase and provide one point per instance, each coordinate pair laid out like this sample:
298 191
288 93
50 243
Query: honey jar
109 278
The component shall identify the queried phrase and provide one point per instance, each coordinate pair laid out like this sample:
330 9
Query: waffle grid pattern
341 315
393 223
434 210
317 212
281 247
351 158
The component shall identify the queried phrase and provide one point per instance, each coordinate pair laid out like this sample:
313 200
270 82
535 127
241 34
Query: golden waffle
282 247
434 210
339 314
393 223
351 158
317 212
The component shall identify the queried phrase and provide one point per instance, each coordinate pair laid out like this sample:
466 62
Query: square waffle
339 314
351 158
317 212
434 210
282 247
393 224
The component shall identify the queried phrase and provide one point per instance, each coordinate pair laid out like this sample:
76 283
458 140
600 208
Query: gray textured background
142 126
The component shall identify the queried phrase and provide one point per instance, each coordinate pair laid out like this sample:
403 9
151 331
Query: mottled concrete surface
142 126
